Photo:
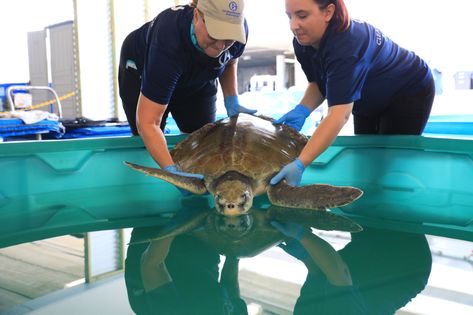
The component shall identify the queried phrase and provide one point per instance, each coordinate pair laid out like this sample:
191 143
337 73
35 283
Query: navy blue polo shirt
170 65
363 66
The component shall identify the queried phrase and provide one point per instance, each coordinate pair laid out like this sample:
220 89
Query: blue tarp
16 127
450 128
461 125
99 131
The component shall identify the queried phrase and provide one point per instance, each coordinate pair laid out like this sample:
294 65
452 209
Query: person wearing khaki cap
170 65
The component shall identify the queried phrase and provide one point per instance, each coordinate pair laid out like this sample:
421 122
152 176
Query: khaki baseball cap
224 19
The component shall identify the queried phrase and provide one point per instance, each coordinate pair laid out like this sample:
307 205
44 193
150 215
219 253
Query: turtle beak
234 206
234 227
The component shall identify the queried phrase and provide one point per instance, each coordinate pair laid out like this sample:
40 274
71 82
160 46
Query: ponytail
340 18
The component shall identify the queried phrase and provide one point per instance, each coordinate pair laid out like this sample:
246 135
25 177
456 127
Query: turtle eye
219 201
244 198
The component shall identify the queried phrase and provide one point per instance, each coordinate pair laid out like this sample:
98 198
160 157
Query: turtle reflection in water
238 156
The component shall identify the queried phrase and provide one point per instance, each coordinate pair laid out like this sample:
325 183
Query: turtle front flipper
316 196
184 221
318 219
194 185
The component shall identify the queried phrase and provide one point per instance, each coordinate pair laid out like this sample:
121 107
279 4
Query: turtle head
234 227
233 194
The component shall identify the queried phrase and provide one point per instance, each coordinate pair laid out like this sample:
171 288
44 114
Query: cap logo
224 19
233 6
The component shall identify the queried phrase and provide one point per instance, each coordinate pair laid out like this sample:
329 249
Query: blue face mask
194 39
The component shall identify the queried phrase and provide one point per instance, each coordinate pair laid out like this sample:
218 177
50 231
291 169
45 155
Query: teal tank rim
415 142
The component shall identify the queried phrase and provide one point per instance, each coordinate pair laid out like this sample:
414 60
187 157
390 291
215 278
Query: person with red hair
357 70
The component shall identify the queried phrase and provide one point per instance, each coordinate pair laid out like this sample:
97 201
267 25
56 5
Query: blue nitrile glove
233 106
292 172
294 118
173 169
292 247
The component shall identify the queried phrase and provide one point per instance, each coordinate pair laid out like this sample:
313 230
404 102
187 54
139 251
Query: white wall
19 17
438 31
268 24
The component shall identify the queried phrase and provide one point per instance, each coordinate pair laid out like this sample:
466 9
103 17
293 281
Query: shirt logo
178 7
379 37
223 59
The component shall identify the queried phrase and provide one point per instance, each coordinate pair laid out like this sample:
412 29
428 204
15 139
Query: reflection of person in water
329 279
179 276
387 269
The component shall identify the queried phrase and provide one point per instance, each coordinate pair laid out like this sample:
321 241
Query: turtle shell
249 145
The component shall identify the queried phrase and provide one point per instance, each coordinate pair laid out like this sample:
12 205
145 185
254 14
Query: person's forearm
312 97
156 144
155 277
153 269
228 79
321 139
325 133
327 259
148 120
229 277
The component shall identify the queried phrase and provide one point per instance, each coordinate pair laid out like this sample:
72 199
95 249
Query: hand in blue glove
233 106
173 169
295 118
292 172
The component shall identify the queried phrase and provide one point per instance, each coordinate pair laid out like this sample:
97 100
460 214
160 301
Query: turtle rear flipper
316 196
318 219
194 185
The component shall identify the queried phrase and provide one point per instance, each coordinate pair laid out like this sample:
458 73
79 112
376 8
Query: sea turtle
238 156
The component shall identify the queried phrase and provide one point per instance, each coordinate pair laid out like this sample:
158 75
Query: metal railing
13 88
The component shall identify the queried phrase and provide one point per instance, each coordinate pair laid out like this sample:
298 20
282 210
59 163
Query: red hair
340 18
